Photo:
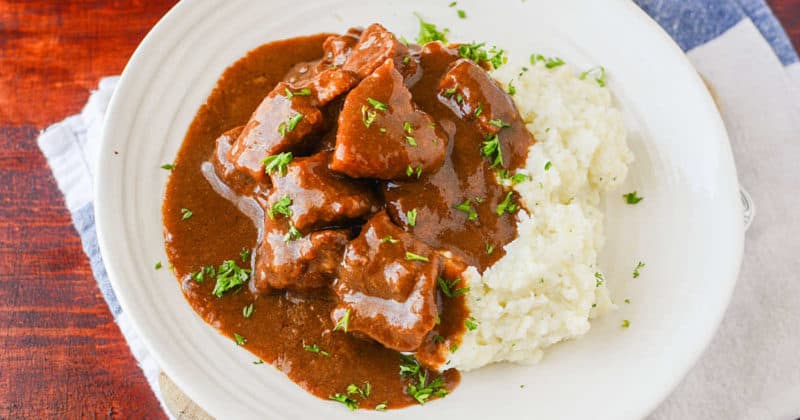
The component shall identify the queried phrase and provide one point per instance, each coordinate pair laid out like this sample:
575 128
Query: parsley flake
258 362
626 323
343 322
511 89
471 323
186 214
632 198
168 166
289 125
281 207
247 311
292 234
462 14
244 254
158 265
449 92
381 406
466 207
314 348
599 74
639 266
491 148
367 116
380 106
240 341
549 62
344 399
479 110
507 205
599 279
389 240
229 275
489 248
411 141
548 165
411 216
277 163
429 33
477 53
410 256
449 288
301 92
438 339
499 123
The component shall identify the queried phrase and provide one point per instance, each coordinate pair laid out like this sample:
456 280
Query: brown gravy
284 322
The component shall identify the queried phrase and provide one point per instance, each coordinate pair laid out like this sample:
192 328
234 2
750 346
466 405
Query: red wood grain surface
61 355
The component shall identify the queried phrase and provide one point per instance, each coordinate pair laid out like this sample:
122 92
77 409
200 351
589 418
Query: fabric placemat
751 370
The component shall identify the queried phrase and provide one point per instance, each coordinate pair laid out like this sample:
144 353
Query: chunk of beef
287 262
330 84
337 48
320 197
375 46
382 134
472 94
279 124
387 282
237 181
303 71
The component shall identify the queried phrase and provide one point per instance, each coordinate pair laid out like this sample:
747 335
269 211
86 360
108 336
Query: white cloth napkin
752 368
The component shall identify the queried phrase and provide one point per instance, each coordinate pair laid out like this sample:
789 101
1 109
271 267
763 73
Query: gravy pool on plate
328 196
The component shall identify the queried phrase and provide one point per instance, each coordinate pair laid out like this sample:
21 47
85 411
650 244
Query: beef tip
279 124
238 181
330 84
375 46
471 93
382 134
318 196
387 282
337 48
303 72
284 261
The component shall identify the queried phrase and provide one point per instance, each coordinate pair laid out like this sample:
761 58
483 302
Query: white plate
688 230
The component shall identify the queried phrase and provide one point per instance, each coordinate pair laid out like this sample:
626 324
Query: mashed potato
548 286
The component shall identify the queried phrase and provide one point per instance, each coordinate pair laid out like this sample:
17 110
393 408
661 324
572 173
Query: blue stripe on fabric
83 219
771 29
693 22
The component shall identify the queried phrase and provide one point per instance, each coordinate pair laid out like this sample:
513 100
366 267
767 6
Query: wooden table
61 355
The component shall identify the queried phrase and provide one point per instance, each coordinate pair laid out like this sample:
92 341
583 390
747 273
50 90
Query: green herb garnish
511 89
449 288
380 106
158 265
229 275
599 74
598 279
477 53
389 239
632 198
367 116
240 341
344 322
186 214
507 205
244 254
381 406
301 92
471 323
489 248
344 399
499 123
314 348
466 207
281 207
491 149
626 323
247 311
429 33
289 126
410 256
549 62
277 163
168 166
411 141
639 266
293 234
411 216
548 165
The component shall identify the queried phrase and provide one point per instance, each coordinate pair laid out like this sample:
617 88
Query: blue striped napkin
751 369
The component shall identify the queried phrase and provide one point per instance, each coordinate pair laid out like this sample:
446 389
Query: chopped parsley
549 62
381 406
351 403
438 339
599 74
247 311
277 162
281 207
301 92
639 266
389 239
516 178
459 99
409 366
491 149
449 92
292 234
364 391
200 276
411 141
410 256
598 279
479 110
168 166
632 198
186 214
453 348
289 125
507 205
548 165
628 301
380 106
462 14
407 127
489 248
240 341
158 265
258 362
367 116
466 207
511 89
499 123
471 323
429 33
477 53
449 288
406 59
229 276
343 322
423 390
244 254
314 348
411 171
453 4
626 323
411 216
